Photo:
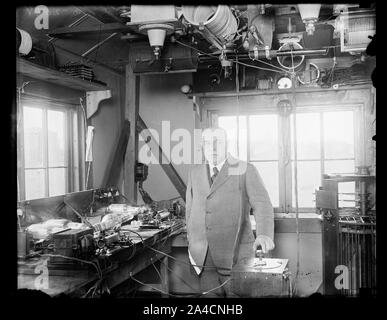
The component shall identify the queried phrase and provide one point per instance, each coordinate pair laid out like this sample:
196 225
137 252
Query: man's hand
265 242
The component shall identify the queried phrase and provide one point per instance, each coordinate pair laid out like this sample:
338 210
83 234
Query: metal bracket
93 98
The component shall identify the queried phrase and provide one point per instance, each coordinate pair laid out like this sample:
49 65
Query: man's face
214 146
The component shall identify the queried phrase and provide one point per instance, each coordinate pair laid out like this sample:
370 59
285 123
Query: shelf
36 71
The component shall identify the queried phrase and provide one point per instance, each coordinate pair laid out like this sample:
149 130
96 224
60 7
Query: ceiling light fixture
309 15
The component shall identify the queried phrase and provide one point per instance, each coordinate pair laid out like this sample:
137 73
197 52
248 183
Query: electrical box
249 279
73 243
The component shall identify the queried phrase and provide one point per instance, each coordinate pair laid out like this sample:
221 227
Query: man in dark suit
220 194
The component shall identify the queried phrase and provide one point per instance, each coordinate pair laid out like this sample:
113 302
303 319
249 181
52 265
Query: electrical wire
157 271
180 296
237 92
99 40
94 264
169 256
172 272
180 278
324 21
180 261
160 290
202 52
296 182
93 287
331 73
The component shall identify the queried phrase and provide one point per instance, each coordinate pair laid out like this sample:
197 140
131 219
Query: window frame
70 111
285 174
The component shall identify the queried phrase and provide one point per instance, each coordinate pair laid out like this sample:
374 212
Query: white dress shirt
219 166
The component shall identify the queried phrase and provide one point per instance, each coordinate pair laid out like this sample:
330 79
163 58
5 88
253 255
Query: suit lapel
205 177
220 178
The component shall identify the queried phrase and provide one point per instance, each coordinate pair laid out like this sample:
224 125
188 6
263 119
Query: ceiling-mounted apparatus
156 22
356 28
310 76
217 24
309 15
226 65
287 58
342 8
259 35
175 59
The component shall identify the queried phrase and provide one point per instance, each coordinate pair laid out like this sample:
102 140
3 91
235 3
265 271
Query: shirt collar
218 166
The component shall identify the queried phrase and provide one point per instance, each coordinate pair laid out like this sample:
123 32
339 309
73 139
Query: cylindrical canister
23 244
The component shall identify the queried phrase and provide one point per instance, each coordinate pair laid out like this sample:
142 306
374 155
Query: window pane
346 189
308 136
229 123
338 134
309 179
263 137
339 166
33 137
57 181
269 174
347 194
56 138
35 184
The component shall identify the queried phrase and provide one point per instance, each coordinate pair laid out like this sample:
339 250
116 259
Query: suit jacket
217 215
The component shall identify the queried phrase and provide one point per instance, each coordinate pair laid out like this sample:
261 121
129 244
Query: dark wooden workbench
122 263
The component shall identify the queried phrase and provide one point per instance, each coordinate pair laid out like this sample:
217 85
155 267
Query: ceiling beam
103 14
112 27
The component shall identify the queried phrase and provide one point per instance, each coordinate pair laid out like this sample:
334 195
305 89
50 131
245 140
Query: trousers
216 284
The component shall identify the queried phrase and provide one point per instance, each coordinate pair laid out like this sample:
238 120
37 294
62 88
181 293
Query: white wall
162 100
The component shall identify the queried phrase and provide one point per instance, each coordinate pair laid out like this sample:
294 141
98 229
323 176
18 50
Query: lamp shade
156 37
309 11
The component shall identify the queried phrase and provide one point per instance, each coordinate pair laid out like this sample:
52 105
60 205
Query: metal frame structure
348 240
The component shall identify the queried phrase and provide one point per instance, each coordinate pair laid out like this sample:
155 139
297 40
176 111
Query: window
325 144
49 163
258 143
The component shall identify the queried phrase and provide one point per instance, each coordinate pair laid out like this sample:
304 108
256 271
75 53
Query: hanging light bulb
156 35
154 21
309 15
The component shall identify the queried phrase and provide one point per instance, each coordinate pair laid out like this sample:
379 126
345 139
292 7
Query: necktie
216 171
